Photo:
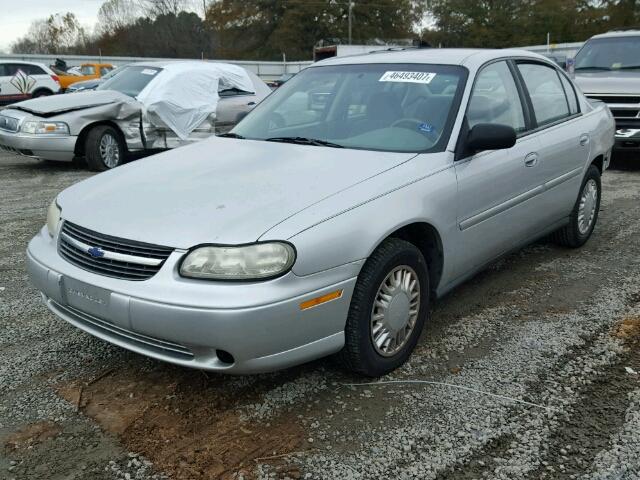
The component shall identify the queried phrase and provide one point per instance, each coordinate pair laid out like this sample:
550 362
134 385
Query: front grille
619 113
124 259
616 98
145 342
9 124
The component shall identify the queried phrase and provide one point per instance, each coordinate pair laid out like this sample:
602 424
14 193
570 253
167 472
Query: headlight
45 128
53 217
249 262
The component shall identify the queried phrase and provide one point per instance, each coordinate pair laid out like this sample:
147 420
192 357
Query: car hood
220 190
58 104
611 82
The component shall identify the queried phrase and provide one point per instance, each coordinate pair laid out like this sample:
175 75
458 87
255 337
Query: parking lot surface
530 370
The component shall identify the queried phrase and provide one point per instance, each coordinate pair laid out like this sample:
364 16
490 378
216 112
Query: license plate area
85 297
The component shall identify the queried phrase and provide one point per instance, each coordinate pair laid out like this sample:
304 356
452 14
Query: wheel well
42 89
427 239
598 162
82 137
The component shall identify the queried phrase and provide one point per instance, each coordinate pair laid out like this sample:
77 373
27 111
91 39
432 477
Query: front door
498 191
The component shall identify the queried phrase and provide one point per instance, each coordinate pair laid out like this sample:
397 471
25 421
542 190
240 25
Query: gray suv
607 68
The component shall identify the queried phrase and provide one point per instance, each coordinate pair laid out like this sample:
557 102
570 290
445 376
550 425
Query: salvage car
86 71
607 69
328 231
145 108
86 85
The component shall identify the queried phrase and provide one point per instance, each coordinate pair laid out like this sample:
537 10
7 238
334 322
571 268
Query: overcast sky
17 15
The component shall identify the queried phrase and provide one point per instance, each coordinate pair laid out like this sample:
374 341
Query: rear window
131 80
88 70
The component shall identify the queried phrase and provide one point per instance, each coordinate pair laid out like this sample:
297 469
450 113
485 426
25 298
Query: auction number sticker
149 71
408 77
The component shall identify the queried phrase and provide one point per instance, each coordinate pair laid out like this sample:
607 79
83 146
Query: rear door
559 126
498 191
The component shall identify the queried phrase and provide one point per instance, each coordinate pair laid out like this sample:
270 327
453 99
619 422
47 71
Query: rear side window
495 98
33 70
550 103
571 95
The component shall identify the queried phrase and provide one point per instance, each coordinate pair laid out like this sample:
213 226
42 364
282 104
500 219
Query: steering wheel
412 123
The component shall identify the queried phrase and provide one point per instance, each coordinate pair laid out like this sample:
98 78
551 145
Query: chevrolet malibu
328 220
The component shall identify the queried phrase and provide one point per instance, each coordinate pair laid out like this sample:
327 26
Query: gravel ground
528 371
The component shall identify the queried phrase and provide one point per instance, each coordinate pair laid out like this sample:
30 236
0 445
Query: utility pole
350 21
204 8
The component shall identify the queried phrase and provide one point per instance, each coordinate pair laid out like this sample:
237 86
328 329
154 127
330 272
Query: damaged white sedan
148 107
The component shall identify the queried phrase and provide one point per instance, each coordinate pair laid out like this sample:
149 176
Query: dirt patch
32 435
628 330
188 425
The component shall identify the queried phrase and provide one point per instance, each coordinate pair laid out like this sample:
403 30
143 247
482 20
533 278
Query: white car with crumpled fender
330 217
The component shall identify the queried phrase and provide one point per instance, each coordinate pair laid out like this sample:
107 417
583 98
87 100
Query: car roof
23 62
618 33
166 63
472 58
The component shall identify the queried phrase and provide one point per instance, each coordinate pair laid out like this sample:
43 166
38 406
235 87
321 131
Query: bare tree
58 33
155 8
116 15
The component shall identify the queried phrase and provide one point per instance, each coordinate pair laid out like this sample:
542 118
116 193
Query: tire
104 148
579 230
41 93
362 352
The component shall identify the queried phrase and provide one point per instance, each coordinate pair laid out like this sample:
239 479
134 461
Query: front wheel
584 214
388 309
104 148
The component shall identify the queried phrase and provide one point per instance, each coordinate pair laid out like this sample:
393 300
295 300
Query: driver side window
495 98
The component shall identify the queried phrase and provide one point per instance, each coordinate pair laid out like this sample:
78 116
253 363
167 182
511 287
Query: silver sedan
328 220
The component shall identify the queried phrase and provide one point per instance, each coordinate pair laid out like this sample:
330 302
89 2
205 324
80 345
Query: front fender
342 230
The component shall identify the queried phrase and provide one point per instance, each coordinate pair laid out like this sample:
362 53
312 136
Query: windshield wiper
304 141
231 135
592 68
629 67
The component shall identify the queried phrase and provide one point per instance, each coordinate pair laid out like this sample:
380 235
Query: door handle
531 160
584 139
251 103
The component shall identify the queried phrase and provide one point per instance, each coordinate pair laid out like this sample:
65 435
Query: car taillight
55 79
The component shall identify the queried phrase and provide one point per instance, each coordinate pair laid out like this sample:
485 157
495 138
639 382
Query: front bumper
39 146
190 322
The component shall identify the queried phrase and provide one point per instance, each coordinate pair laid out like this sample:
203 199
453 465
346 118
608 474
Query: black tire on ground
41 93
359 353
571 235
95 149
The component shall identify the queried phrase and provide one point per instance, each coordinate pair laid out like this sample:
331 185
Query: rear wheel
104 148
585 212
388 309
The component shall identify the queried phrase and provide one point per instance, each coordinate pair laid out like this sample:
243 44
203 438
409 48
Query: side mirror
490 136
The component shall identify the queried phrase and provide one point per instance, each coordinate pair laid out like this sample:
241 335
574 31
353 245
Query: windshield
609 54
131 80
389 107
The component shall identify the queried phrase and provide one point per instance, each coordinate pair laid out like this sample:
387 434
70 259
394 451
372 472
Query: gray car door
497 190
564 145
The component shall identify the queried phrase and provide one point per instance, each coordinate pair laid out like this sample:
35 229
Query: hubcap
395 310
109 151
587 206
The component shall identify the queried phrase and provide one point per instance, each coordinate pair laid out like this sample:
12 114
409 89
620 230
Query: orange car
89 71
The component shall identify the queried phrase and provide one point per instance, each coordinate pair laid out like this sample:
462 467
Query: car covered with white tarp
147 107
